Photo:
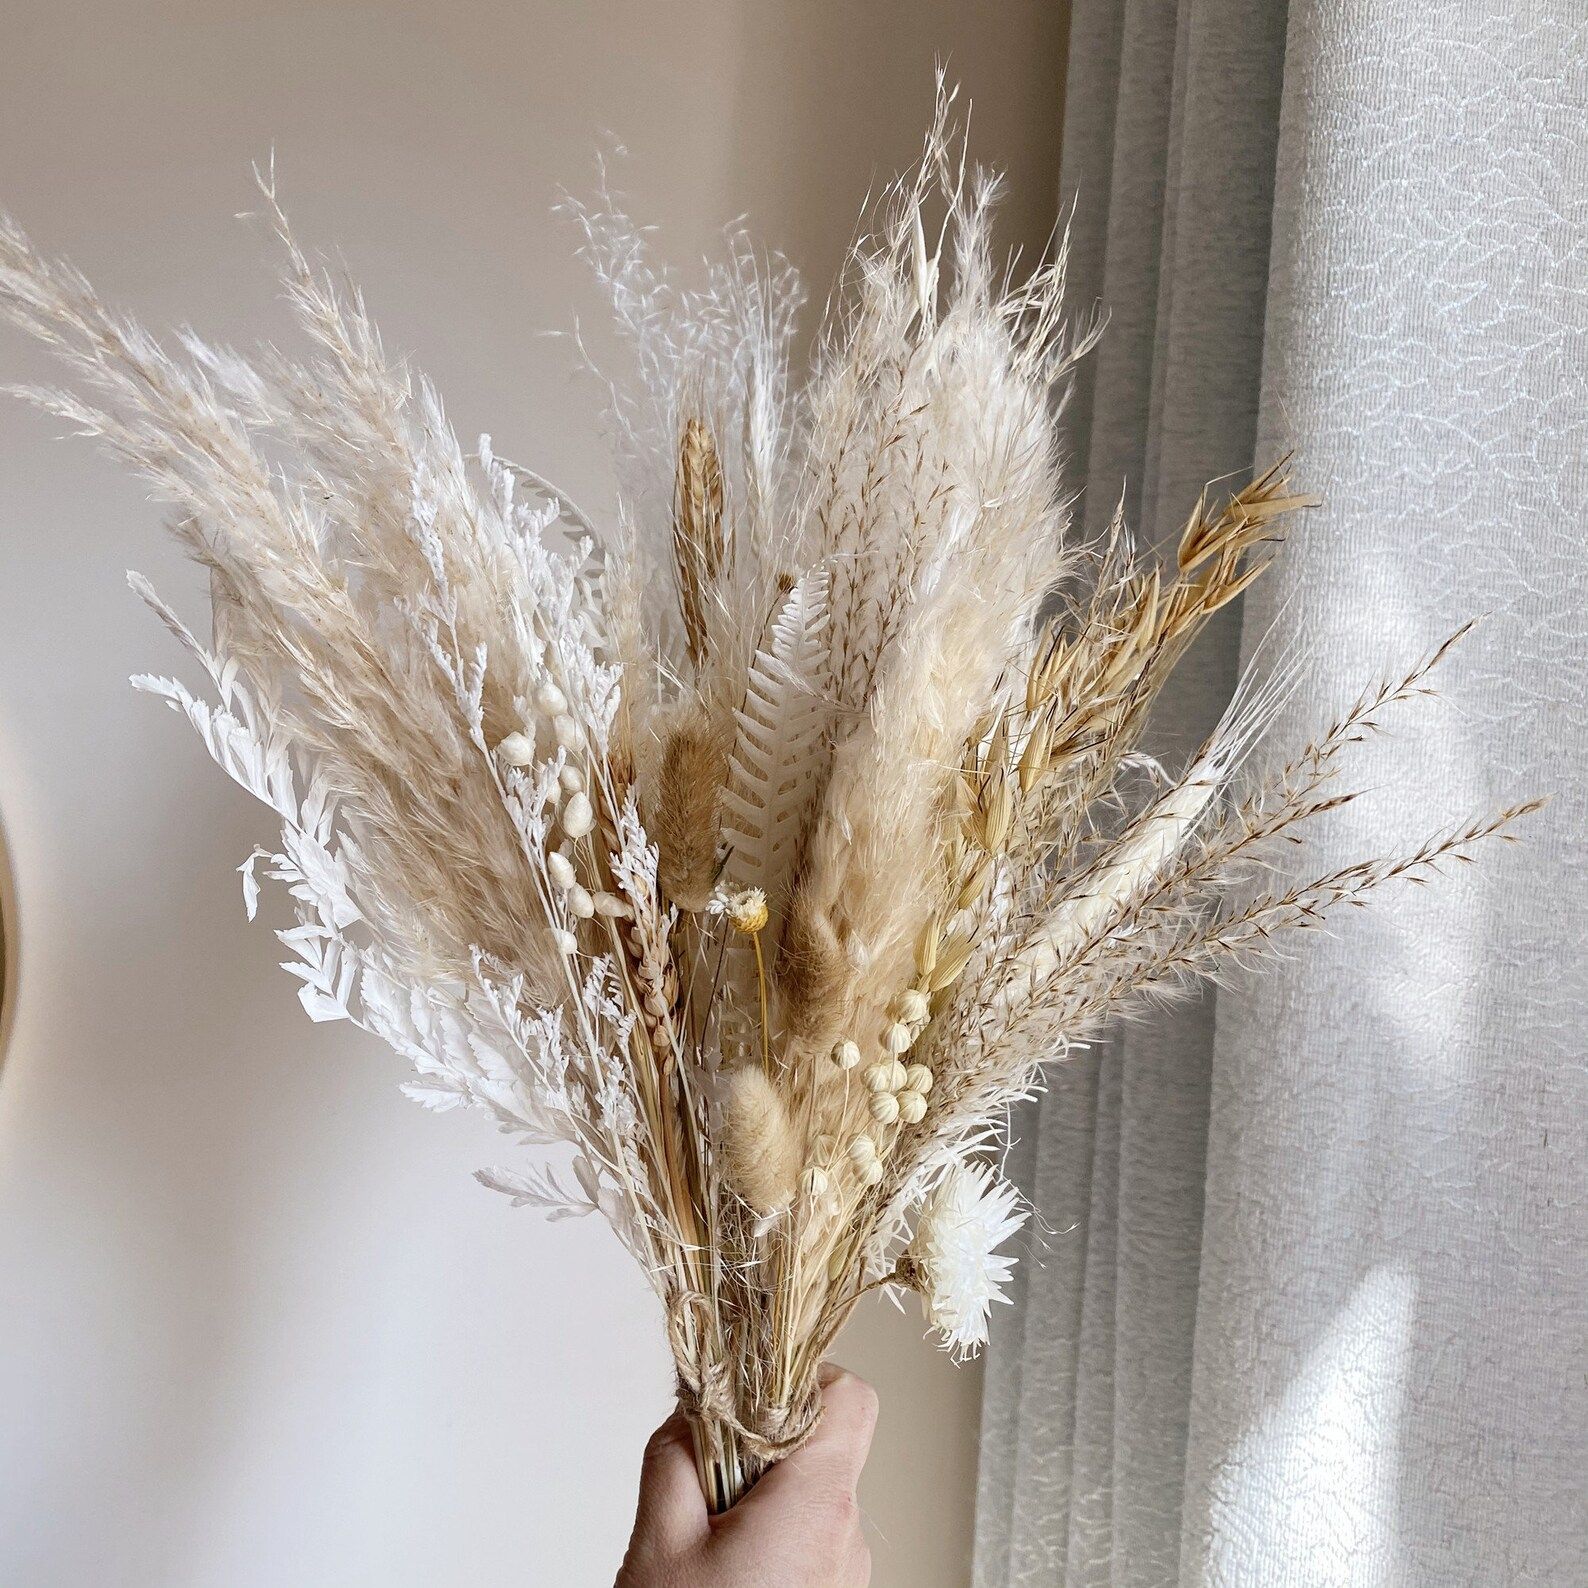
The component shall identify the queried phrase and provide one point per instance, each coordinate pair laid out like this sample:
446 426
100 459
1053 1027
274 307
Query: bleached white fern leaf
537 1188
260 766
775 760
327 965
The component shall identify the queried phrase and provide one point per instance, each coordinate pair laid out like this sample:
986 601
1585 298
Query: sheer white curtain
1314 1308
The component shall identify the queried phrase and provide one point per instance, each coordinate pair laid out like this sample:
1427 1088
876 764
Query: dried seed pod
846 1054
911 1005
1046 667
998 810
550 699
918 1078
517 749
884 1107
912 1107
577 816
560 869
580 904
1038 752
898 1037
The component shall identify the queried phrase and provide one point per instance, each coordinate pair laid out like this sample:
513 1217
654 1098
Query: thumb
671 1516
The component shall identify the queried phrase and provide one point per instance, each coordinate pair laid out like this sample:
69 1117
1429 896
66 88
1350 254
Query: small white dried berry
551 699
517 749
577 817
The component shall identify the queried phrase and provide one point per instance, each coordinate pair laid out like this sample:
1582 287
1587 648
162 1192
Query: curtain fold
1314 1304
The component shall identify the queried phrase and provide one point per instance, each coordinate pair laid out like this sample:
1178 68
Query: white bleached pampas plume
748 855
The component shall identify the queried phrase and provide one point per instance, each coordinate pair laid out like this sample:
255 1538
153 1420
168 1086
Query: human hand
799 1527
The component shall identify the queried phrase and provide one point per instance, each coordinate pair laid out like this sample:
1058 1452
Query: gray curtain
1313 1304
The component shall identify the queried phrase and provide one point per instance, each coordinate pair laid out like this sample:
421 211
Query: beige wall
257 1325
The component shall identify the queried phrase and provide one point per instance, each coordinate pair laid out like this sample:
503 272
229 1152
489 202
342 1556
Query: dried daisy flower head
953 1257
746 910
747 855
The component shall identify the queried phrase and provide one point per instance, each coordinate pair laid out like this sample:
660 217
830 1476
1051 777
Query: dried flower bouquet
758 848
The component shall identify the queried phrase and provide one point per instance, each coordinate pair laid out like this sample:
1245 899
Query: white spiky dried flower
969 1215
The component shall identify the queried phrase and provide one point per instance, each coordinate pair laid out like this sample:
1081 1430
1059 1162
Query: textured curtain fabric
1312 1308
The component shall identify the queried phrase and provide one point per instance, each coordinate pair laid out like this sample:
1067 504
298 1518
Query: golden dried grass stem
698 540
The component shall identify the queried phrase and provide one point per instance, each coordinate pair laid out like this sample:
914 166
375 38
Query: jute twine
772 1434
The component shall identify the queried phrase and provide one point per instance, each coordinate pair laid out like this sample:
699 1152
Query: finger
842 1439
857 1568
671 1516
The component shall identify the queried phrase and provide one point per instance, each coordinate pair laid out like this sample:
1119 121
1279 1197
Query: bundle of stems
753 851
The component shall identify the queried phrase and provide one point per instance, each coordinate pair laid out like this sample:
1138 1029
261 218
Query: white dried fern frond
777 756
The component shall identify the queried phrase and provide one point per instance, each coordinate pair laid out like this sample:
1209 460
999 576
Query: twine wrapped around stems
772 1435
733 1451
